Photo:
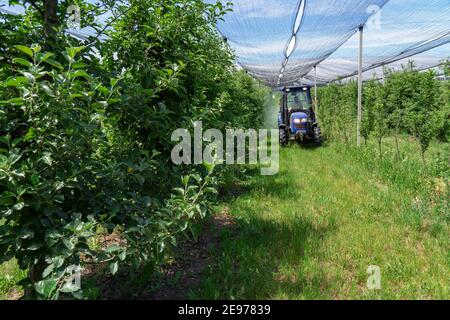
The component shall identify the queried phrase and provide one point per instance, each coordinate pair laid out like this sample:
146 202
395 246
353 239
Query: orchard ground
310 232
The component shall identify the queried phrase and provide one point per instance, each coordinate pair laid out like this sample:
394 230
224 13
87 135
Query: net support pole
316 105
358 122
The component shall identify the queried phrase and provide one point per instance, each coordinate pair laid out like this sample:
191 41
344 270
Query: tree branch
35 6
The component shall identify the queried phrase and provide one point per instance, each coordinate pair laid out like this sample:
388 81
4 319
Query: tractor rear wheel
317 135
283 138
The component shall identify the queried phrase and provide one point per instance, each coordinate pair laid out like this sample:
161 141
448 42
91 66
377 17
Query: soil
176 279
194 260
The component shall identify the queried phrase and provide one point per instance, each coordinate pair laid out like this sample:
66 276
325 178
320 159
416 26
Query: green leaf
75 96
47 90
112 248
113 82
155 153
47 158
58 261
35 246
59 198
210 190
69 245
54 64
15 101
7 199
210 167
161 246
123 255
140 179
35 179
48 270
22 62
113 267
79 73
19 206
29 76
46 287
78 65
179 190
25 50
26 233
72 52
16 82
42 57
30 134
6 257
36 48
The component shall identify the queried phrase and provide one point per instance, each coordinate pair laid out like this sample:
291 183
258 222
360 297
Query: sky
260 30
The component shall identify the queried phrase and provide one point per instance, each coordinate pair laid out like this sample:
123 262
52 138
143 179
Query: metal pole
316 105
358 123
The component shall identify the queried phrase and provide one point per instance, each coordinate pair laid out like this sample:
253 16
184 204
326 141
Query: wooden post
358 123
316 105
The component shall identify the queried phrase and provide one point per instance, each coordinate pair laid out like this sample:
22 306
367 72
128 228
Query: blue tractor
297 119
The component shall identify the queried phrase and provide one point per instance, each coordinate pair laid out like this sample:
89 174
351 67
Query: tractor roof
293 89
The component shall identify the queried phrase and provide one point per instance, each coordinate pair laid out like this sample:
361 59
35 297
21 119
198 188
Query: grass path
311 232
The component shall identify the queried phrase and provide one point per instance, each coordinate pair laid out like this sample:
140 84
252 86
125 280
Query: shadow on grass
264 259
266 256
256 256
307 145
180 273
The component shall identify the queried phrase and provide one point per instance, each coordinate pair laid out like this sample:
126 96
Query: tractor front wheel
317 135
284 139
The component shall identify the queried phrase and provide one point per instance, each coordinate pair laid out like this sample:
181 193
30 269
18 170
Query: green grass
311 232
10 274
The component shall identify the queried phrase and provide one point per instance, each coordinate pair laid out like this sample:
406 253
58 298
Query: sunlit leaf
25 50
16 81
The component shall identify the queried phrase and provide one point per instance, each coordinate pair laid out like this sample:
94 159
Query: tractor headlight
304 120
297 120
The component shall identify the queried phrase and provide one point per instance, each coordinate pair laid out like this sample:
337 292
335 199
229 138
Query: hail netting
280 41
258 31
401 31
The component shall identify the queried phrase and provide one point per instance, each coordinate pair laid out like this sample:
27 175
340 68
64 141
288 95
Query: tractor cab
297 119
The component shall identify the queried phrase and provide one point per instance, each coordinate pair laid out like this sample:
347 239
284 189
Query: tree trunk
397 130
35 275
50 17
379 146
422 152
397 146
